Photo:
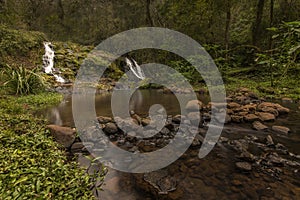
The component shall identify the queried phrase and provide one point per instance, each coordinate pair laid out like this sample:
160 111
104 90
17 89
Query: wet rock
266 116
283 110
195 118
250 117
63 135
246 156
244 166
233 105
77 147
177 119
270 110
237 118
259 126
281 129
110 128
278 107
104 120
206 116
194 105
146 121
269 141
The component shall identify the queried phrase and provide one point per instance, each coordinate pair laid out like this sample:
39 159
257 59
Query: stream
214 176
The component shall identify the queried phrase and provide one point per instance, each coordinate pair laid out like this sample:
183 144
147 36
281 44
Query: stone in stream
250 117
63 135
233 105
244 166
281 129
259 126
110 128
269 141
104 120
194 105
266 116
195 118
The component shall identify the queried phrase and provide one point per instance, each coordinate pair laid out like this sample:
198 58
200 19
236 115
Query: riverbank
32 164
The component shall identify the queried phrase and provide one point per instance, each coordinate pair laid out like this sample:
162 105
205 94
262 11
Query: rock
104 120
63 135
177 119
252 95
195 118
146 121
110 128
287 100
246 156
237 118
244 90
250 117
279 108
244 166
259 126
270 110
194 105
282 110
266 116
281 129
77 147
233 105
269 141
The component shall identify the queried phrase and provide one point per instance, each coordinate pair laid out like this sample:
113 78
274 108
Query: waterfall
48 62
135 68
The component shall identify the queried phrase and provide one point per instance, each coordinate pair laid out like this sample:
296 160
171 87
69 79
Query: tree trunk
227 29
149 20
257 29
61 11
271 21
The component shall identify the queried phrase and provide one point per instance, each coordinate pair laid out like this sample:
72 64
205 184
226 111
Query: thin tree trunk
257 29
271 22
149 20
61 10
227 29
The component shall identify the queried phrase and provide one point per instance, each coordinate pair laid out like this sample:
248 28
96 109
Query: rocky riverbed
245 163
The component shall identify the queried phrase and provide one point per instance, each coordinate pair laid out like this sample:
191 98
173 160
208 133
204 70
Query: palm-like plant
22 81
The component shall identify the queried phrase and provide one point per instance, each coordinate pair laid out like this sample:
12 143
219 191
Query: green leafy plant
282 62
32 164
22 81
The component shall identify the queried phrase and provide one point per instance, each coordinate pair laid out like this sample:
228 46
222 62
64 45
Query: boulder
266 116
104 120
194 105
250 117
233 105
110 128
195 118
259 126
63 135
281 129
237 118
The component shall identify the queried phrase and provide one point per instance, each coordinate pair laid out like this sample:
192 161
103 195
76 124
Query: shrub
22 81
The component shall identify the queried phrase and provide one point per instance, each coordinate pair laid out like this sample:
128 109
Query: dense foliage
32 164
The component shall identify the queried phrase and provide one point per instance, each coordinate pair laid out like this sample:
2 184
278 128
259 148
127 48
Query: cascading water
135 68
48 62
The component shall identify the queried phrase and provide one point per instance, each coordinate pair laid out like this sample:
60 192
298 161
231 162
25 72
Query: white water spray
48 62
135 68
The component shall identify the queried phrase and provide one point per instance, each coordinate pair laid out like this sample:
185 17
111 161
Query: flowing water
212 177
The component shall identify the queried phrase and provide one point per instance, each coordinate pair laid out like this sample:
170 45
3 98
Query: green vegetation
32 164
22 81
